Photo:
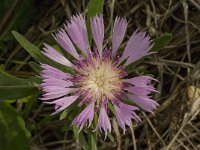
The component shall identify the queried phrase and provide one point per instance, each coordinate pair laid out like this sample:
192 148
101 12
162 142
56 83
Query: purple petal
103 121
55 83
86 114
55 55
124 114
63 103
144 102
144 90
62 38
141 81
51 89
139 90
51 72
77 31
118 33
97 27
56 94
137 47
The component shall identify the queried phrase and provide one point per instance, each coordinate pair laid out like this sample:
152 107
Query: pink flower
99 77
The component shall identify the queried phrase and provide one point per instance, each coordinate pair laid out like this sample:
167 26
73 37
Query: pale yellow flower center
102 80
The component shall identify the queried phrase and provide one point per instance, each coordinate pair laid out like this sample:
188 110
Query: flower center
100 79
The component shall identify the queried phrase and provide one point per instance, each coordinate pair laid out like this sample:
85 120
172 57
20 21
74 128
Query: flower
99 78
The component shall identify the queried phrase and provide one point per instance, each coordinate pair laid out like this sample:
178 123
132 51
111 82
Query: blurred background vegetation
25 122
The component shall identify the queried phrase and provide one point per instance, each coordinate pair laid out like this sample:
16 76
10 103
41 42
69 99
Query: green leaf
111 137
36 67
69 109
15 88
30 48
13 133
94 7
63 114
80 139
35 52
33 79
92 140
29 105
162 41
111 108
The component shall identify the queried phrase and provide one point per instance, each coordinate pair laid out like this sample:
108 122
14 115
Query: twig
195 4
116 130
181 143
185 6
154 11
133 138
8 15
152 127
184 134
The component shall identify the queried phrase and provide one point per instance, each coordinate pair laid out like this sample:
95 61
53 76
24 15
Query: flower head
98 78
